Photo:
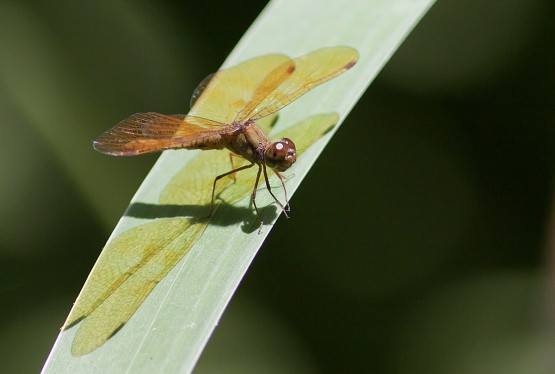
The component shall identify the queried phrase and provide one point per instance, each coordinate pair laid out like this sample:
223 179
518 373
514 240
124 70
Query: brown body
247 141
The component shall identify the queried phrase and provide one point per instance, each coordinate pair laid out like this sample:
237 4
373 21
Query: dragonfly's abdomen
212 141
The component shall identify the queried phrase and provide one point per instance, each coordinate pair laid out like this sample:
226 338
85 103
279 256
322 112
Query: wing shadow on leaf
127 270
133 263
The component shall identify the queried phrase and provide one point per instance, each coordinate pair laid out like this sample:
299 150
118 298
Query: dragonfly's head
280 155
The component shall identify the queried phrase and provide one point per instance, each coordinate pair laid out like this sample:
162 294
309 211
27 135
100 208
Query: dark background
420 242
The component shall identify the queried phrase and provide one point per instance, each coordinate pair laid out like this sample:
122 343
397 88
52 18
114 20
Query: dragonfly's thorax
248 141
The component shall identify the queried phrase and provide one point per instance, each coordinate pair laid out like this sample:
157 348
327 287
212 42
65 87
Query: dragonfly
225 108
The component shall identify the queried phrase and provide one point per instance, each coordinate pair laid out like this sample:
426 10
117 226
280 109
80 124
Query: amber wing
263 85
310 71
152 132
228 91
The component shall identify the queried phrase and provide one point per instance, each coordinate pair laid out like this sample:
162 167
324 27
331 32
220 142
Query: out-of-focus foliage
417 243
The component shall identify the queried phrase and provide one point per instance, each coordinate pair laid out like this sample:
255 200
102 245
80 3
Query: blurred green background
421 242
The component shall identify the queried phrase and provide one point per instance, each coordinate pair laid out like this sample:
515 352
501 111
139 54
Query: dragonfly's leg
220 177
281 178
231 155
253 197
271 193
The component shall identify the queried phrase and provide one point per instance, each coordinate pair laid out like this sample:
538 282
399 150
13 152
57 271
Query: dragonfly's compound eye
281 155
